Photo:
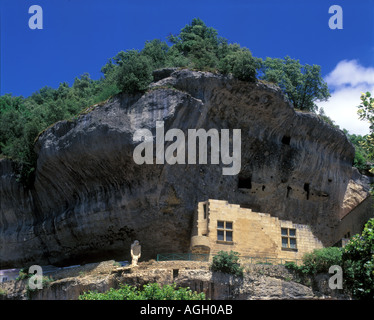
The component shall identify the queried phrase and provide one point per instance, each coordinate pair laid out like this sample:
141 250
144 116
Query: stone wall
254 234
354 222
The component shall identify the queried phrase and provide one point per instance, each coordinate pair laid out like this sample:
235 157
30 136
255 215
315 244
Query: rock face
90 200
260 282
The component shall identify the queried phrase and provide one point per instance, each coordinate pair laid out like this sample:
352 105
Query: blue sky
81 35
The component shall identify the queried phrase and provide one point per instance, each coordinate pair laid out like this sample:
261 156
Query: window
288 238
224 231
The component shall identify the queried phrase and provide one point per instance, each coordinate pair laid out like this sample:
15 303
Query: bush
23 274
320 260
356 260
358 257
292 266
227 262
152 291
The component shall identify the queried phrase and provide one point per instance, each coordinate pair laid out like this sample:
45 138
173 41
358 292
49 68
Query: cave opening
306 189
245 183
286 140
288 191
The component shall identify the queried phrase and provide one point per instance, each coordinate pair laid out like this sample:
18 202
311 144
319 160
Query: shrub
227 262
152 291
320 260
356 260
23 274
292 266
358 257
3 292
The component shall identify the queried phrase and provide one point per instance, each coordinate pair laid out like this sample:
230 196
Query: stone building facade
223 226
353 222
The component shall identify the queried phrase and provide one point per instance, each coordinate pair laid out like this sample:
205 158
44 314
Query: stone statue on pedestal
136 249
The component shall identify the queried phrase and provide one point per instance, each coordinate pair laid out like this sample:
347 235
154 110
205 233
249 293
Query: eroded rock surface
260 282
90 200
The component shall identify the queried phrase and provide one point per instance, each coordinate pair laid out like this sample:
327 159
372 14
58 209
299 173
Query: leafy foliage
23 274
22 119
366 112
152 291
197 46
134 73
303 84
358 257
361 160
227 262
241 64
318 261
356 260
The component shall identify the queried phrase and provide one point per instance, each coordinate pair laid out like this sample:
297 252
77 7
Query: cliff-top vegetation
197 47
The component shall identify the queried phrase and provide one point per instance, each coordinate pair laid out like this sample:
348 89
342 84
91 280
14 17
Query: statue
135 252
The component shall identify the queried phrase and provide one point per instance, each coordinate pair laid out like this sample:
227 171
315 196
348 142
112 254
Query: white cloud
350 73
346 82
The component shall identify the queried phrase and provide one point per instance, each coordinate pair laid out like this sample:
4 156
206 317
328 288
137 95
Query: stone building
353 222
223 226
8 275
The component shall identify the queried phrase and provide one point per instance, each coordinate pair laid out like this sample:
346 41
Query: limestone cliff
90 200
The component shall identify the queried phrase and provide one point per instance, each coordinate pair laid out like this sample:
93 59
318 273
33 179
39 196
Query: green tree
240 63
157 51
196 46
302 84
175 58
366 113
358 257
199 43
22 119
9 102
361 160
135 71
